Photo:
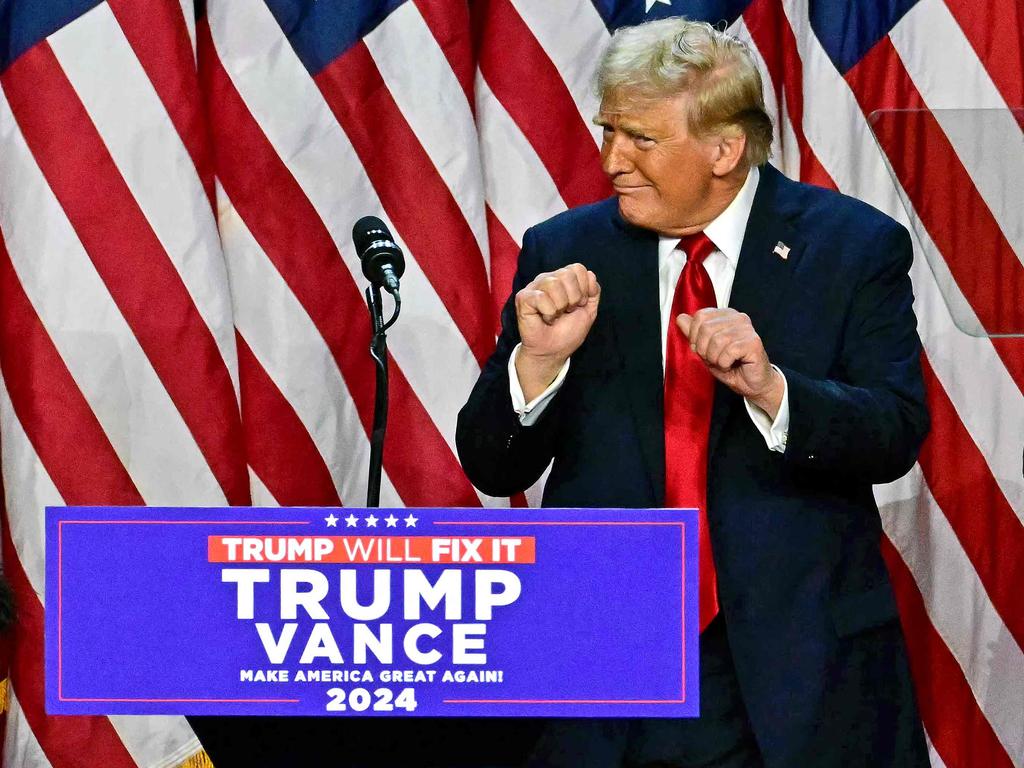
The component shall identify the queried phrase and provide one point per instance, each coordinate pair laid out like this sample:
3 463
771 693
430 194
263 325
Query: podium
372 612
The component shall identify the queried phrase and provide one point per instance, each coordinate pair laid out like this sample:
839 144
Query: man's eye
643 141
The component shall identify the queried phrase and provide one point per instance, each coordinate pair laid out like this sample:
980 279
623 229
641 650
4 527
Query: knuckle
537 286
525 296
552 287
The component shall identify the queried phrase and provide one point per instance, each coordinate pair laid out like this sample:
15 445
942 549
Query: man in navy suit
806 341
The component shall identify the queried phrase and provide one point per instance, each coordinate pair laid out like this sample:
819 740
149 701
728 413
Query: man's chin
632 213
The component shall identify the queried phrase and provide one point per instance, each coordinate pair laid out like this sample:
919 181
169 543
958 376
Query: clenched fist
555 313
731 349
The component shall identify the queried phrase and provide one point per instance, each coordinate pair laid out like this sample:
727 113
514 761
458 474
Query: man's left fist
731 349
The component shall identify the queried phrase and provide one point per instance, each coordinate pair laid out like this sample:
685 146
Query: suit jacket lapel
763 276
632 271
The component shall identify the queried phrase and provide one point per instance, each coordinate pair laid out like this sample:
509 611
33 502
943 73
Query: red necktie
689 392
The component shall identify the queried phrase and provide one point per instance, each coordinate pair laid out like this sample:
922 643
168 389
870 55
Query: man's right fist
555 313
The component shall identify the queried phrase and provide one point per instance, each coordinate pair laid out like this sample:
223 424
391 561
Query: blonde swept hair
661 59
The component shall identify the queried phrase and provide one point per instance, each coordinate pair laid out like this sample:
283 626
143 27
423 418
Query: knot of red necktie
697 246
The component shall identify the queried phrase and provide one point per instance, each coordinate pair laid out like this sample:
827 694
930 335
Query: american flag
181 318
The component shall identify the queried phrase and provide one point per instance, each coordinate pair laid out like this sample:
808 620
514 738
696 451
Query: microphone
383 262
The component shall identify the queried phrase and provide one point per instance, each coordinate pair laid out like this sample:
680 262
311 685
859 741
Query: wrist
770 399
536 372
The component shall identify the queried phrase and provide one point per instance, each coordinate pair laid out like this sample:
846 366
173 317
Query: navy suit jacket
803 588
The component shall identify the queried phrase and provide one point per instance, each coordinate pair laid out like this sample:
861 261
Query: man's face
661 173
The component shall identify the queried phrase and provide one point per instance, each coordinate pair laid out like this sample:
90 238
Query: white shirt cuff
529 412
775 433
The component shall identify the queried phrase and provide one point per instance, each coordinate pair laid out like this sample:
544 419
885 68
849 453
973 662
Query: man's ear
729 152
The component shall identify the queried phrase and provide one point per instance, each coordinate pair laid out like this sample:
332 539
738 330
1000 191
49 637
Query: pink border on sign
60 606
682 620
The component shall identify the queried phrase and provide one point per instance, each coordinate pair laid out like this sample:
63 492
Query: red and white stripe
119 371
312 169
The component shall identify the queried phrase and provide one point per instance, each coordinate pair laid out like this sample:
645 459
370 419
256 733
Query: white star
651 3
331 520
351 521
371 522
410 521
391 520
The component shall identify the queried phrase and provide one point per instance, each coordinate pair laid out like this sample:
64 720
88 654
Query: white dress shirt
726 232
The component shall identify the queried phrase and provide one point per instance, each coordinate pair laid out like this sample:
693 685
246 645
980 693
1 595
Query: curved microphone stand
379 353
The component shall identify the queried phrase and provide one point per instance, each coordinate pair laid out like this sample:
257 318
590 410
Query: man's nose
615 157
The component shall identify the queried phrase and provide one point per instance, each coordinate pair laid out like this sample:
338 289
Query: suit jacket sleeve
498 454
870 421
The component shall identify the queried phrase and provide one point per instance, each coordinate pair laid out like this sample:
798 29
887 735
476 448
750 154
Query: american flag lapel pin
781 250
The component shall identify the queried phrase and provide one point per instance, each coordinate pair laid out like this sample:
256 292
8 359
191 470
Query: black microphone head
367 230
377 248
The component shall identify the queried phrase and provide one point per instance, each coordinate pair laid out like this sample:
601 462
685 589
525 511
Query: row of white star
371 521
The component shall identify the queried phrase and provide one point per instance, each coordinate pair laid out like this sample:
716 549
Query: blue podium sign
357 612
